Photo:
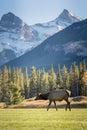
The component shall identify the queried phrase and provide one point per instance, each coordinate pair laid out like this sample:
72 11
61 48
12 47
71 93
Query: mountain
16 37
64 47
65 19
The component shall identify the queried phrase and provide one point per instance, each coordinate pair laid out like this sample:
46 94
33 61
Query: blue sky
39 11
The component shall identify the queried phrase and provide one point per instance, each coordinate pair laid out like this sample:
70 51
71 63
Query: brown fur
45 96
42 96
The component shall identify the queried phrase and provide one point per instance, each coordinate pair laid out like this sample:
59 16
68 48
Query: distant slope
62 48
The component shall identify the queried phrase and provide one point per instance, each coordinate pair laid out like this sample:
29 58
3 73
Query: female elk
56 95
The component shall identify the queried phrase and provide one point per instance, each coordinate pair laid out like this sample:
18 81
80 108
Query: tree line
16 85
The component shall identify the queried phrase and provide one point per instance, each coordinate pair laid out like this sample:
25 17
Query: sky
40 11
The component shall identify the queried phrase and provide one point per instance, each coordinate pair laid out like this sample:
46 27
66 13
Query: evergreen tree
0 87
17 75
26 83
81 73
74 79
84 81
38 81
4 83
42 81
77 81
13 95
46 82
65 78
14 76
84 66
21 82
52 79
9 75
59 78
33 90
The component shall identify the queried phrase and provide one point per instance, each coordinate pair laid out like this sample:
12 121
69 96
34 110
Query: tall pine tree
84 81
74 79
26 83
4 83
33 90
59 80
81 73
65 78
52 79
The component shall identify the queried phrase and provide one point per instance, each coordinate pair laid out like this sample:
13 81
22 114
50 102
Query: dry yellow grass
76 102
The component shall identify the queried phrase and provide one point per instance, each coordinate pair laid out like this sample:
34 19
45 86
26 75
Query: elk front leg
49 105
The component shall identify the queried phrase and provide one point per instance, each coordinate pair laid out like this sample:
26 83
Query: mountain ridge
64 47
17 37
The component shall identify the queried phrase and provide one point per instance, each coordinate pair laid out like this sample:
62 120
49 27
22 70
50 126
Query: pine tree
81 73
84 66
42 87
21 82
33 90
38 81
14 76
46 82
0 87
74 79
84 81
65 78
52 79
13 95
4 83
26 83
42 81
77 80
59 78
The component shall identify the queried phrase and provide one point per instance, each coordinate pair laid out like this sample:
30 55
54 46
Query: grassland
40 119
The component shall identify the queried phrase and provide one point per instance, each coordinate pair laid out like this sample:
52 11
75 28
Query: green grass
40 119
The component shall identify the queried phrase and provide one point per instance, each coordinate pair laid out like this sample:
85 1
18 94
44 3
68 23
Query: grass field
40 119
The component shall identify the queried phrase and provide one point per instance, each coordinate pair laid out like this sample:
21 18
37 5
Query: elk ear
39 94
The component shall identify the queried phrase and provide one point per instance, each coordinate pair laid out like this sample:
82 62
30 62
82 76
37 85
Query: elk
55 95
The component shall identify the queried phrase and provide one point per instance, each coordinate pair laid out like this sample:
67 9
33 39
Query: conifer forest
17 85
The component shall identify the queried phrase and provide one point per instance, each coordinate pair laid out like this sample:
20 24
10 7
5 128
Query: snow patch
11 41
76 47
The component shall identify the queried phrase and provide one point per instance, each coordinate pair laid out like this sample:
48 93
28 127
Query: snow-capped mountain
16 37
62 48
46 30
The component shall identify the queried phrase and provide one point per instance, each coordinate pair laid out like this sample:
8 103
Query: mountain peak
10 20
10 14
68 17
65 11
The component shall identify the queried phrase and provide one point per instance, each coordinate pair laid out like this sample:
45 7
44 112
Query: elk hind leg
55 105
67 105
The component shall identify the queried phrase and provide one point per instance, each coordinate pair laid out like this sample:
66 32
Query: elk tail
68 92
